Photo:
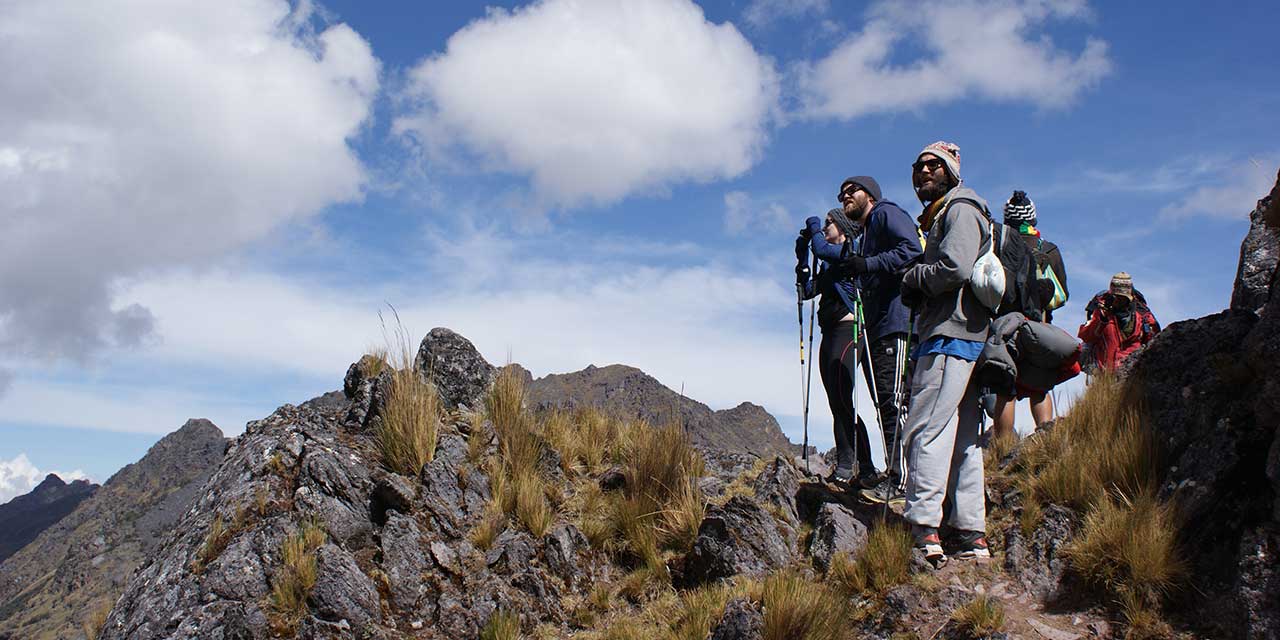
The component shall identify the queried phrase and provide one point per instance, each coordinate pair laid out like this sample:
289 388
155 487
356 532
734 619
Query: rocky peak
24 517
81 563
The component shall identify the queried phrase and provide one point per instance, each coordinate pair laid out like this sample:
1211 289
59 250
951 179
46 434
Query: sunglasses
931 164
848 192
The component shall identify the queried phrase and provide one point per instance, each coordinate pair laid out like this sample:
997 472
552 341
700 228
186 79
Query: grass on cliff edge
406 435
1103 461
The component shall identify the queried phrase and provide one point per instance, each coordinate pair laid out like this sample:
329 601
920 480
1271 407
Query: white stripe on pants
943 456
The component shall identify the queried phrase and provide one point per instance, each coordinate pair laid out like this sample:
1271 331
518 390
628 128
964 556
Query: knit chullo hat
1019 210
846 226
1122 285
948 153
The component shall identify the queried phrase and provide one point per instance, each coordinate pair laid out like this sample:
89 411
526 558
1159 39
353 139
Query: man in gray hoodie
944 459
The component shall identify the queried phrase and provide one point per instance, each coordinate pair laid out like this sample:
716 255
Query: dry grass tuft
218 537
797 609
502 625
531 508
1103 445
97 619
295 577
411 416
490 526
1129 548
410 423
981 617
520 489
883 563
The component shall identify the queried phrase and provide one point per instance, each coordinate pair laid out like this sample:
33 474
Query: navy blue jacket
833 281
890 243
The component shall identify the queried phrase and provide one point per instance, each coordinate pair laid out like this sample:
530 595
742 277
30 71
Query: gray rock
1259 254
740 537
836 529
612 480
366 390
403 561
778 485
742 620
1038 561
342 591
561 547
1258 587
458 371
511 552
393 492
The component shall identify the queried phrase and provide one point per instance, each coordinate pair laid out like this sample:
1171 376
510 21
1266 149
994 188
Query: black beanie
867 183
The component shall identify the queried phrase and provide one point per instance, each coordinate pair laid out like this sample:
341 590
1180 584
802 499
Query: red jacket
1109 348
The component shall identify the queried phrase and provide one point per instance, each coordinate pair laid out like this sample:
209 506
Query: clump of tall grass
799 609
410 418
1128 546
218 537
981 617
502 625
884 562
295 577
518 484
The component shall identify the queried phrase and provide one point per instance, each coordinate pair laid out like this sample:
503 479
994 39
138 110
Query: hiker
1119 324
834 242
944 460
1050 294
890 242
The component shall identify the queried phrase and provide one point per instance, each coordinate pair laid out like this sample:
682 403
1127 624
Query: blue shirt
963 349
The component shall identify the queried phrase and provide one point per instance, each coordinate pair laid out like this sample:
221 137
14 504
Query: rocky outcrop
82 563
24 517
1037 559
740 537
1212 387
457 369
631 392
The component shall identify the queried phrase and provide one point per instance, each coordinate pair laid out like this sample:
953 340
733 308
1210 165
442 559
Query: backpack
995 285
1021 273
1044 271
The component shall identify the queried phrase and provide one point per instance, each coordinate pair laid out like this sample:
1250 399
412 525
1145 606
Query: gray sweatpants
942 445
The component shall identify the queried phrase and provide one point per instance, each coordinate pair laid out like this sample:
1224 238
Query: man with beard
890 243
944 459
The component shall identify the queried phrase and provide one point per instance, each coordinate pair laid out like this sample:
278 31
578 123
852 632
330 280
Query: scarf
1027 229
927 218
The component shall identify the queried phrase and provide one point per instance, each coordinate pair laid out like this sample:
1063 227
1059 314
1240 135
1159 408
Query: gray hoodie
950 309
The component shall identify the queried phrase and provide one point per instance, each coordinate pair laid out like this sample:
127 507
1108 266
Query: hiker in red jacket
1119 323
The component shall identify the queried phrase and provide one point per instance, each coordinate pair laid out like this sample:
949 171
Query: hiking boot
926 539
870 480
887 492
840 475
971 544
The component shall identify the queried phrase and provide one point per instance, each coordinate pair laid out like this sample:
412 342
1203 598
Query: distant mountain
80 565
632 392
24 517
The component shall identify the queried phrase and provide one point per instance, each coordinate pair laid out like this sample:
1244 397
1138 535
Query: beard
933 191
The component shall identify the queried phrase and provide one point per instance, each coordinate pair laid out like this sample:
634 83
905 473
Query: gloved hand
857 265
813 224
802 247
912 297
802 274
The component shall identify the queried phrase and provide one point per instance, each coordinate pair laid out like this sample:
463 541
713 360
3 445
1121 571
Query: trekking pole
804 391
808 384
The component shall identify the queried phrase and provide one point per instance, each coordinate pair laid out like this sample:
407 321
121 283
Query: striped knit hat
1019 210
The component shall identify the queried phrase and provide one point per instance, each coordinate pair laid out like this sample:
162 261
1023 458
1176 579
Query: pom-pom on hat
948 153
1020 210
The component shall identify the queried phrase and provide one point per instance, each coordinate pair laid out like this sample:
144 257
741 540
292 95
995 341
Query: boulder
740 537
458 371
1259 254
1037 560
835 529
403 561
342 591
742 620
778 485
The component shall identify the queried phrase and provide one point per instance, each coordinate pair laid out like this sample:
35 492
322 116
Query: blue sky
207 205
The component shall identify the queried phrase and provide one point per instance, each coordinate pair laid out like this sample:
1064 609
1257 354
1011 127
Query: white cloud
761 13
987 50
138 136
18 476
743 214
596 100
1232 192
